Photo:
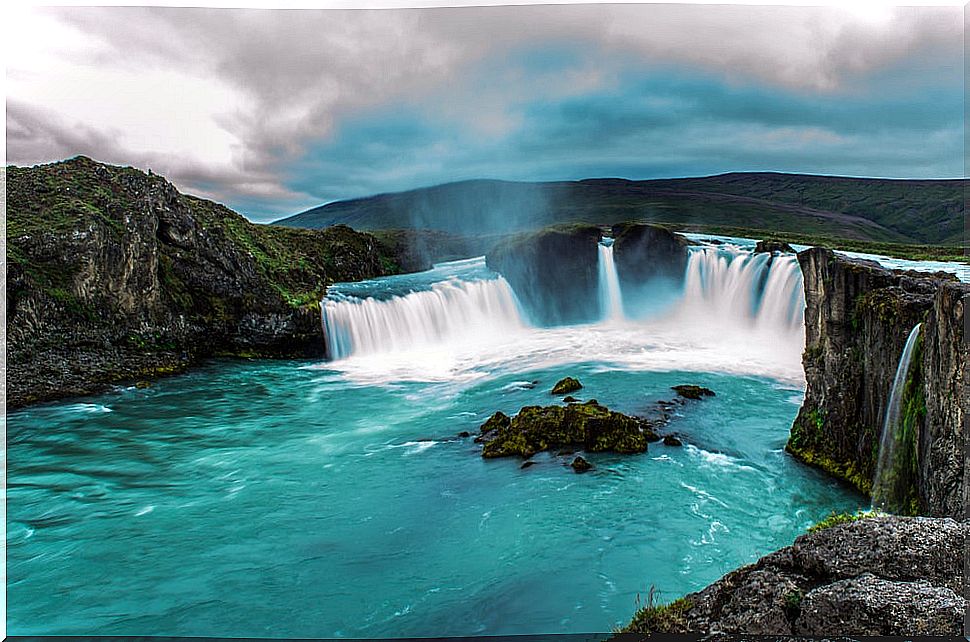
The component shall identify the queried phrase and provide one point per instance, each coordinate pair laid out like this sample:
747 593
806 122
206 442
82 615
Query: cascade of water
610 298
450 310
889 487
737 288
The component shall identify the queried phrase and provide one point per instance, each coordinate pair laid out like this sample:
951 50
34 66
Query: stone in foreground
876 576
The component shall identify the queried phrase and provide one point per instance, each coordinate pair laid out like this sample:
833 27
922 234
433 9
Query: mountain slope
900 211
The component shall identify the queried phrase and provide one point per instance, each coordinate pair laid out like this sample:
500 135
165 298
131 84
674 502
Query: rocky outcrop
553 272
772 246
587 426
645 252
566 385
858 317
875 576
114 275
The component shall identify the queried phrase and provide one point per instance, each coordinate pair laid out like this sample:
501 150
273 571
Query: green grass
657 617
834 519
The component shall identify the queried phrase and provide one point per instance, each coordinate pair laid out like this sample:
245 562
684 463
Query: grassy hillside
916 212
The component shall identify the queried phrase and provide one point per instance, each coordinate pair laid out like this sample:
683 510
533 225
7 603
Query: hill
113 274
865 209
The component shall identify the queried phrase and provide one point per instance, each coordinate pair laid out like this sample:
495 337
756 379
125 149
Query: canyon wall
858 317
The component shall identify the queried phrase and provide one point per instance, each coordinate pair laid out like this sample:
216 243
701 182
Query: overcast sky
272 112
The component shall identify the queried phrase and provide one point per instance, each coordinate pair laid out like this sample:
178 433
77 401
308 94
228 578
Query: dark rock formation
644 252
586 426
580 465
876 576
114 275
692 392
773 246
858 317
671 440
553 272
566 385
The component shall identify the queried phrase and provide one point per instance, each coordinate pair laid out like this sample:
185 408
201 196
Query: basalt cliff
114 275
858 317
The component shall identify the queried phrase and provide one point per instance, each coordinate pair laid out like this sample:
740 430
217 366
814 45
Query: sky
272 112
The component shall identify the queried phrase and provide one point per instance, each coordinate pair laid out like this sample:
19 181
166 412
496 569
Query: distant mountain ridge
926 211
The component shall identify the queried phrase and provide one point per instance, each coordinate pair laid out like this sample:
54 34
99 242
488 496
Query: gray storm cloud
299 74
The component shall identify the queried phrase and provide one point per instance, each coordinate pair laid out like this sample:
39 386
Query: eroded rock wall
858 317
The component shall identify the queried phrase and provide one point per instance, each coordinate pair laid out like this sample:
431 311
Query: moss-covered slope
113 274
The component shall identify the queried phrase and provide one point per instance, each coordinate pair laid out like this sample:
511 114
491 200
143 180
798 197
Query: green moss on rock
589 426
566 386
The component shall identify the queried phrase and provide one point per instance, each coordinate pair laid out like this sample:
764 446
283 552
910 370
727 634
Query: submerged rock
527 464
566 385
692 392
587 426
571 399
896 576
464 433
773 246
580 465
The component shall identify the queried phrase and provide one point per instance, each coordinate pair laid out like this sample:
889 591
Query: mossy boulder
689 391
587 426
566 386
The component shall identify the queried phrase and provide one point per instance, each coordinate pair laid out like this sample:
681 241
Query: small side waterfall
893 482
610 298
450 310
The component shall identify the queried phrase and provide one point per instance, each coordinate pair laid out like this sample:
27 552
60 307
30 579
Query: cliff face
858 317
897 576
555 271
644 252
946 383
113 275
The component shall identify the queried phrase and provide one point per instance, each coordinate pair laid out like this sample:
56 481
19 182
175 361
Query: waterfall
610 298
890 485
449 311
731 288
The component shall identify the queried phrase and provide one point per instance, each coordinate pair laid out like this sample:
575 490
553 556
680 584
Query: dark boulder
580 465
670 440
553 272
692 392
773 246
566 385
645 252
